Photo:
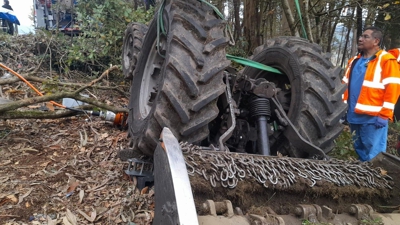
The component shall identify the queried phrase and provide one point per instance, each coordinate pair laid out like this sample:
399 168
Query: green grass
307 222
376 221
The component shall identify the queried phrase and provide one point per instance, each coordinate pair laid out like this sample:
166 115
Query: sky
22 9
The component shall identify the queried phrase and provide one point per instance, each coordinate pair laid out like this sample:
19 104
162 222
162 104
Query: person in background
7 5
396 53
373 81
7 23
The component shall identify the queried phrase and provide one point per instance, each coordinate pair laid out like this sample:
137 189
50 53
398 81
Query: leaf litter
64 171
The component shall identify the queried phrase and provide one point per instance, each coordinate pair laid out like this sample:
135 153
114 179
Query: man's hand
380 122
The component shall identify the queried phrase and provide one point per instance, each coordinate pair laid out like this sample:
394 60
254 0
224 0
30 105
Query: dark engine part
261 119
260 110
253 112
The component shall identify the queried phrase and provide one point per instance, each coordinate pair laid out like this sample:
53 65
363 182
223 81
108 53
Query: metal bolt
298 211
353 210
205 206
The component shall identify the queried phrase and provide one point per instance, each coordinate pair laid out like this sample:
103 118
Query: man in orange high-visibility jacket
373 81
396 53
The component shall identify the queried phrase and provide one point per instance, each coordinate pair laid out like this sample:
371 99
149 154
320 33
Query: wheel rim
128 55
150 81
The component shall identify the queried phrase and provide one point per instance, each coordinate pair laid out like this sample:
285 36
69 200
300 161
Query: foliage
239 48
344 148
393 134
388 19
376 221
103 24
307 222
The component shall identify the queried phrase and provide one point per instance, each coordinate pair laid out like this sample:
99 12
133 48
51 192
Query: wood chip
81 194
144 190
71 217
92 216
51 221
21 197
84 138
383 172
29 149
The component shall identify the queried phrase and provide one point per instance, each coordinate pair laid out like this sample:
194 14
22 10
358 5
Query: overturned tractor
236 128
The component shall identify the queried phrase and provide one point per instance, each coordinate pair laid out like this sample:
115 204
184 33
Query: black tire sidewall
288 64
138 124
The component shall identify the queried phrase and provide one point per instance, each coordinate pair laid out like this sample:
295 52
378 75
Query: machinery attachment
142 170
174 199
178 200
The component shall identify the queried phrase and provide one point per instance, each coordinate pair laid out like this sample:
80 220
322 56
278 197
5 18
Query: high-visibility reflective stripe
391 80
371 84
398 57
347 73
388 105
368 108
378 69
345 101
345 79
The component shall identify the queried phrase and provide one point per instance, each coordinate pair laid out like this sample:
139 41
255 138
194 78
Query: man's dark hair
376 33
6 2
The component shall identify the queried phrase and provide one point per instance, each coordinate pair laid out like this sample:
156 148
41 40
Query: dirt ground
52 170
65 171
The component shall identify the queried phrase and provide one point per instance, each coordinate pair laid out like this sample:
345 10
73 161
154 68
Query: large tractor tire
179 76
311 90
133 39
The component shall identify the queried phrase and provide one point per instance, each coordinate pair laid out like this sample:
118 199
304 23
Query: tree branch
57 96
52 82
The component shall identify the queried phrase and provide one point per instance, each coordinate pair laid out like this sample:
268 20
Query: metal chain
228 169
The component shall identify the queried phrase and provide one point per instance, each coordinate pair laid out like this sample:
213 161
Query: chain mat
279 172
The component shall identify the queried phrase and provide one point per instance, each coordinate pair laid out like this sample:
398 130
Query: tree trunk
307 21
340 46
354 49
331 34
236 11
332 27
359 18
369 20
220 5
289 17
349 27
251 23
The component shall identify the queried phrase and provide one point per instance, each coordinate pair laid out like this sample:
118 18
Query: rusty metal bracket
313 213
361 211
218 208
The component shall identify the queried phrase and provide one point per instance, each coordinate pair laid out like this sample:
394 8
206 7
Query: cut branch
13 106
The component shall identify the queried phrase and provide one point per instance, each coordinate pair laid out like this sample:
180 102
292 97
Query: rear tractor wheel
133 39
311 91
